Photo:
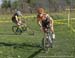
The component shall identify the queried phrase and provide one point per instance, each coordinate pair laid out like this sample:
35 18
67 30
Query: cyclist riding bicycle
43 19
16 18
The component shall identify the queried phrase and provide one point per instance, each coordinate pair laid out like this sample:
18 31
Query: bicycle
47 41
18 30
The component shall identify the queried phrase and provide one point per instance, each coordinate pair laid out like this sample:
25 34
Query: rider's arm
39 22
52 27
51 20
16 18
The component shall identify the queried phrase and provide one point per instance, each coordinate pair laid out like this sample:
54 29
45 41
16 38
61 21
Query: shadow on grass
22 45
17 45
35 53
32 34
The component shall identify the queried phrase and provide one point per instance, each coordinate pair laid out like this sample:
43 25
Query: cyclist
16 18
43 19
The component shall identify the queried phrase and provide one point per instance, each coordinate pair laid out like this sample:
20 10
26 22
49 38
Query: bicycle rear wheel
16 30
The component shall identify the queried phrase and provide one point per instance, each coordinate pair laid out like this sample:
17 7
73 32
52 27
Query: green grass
29 46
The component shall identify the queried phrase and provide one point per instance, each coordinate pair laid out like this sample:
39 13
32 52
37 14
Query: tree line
30 5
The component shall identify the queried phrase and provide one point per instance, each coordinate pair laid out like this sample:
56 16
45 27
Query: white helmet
18 13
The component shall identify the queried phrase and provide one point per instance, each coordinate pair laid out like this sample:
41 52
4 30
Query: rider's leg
19 24
22 25
53 34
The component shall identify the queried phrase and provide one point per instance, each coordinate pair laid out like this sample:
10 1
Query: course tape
5 21
56 22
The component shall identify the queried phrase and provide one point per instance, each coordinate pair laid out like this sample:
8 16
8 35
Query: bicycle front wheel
50 41
45 45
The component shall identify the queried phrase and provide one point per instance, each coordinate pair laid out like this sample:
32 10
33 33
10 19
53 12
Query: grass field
29 46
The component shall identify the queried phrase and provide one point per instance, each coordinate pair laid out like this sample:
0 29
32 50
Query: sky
0 2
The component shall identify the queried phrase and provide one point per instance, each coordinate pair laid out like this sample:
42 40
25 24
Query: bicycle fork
49 38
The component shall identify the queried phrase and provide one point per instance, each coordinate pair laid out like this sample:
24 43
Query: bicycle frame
49 35
47 40
18 30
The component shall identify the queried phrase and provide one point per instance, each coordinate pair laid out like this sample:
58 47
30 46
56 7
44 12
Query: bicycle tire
16 30
50 41
44 44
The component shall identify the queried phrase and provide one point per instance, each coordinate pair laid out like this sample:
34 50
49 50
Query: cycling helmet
40 10
19 13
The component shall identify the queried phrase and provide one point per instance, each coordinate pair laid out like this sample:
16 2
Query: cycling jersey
45 20
45 23
14 18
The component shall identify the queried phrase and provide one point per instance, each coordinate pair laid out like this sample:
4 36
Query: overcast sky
0 1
